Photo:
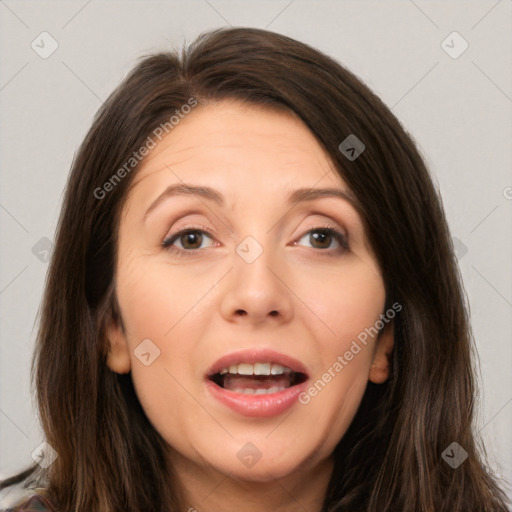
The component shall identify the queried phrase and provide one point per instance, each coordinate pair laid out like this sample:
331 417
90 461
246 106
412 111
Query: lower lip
262 406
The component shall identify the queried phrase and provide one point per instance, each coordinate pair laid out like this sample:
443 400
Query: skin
209 302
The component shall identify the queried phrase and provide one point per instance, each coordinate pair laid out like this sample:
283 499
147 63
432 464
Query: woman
201 345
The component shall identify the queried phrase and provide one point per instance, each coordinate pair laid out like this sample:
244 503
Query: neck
207 490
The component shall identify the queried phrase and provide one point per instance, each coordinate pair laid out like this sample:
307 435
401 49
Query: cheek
159 304
154 298
346 302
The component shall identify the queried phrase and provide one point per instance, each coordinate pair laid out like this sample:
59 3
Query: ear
380 368
118 358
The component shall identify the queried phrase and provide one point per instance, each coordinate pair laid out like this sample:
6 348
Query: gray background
457 109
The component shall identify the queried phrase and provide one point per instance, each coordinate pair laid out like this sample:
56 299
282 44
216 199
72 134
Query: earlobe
118 358
380 368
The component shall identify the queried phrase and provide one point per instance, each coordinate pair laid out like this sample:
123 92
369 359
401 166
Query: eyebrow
296 196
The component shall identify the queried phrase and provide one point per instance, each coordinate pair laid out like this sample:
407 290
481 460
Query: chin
263 471
263 460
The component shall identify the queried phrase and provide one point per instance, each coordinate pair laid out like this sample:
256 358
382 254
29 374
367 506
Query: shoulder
33 503
25 492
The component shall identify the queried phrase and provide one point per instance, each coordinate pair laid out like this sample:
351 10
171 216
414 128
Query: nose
257 291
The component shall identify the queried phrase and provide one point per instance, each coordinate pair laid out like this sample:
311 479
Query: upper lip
259 355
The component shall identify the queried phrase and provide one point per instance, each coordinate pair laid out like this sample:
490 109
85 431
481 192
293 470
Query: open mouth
257 379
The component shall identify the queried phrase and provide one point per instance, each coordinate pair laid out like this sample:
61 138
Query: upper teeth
256 369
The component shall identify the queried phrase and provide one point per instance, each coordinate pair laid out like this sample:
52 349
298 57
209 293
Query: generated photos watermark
158 133
343 360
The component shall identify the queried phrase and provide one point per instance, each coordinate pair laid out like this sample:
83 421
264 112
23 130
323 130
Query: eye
190 239
323 237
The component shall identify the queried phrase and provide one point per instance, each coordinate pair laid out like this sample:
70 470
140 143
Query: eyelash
338 236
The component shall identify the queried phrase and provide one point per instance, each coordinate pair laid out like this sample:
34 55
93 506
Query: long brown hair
110 458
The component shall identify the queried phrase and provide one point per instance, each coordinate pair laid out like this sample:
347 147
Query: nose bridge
256 289
253 262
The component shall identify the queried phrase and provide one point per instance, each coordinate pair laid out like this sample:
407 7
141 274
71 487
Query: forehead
237 146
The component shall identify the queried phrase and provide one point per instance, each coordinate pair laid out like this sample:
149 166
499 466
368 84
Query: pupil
191 236
321 236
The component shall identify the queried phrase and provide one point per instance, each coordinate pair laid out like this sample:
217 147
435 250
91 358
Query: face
243 301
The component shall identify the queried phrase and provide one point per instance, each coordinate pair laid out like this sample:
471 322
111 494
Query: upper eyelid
331 224
339 226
